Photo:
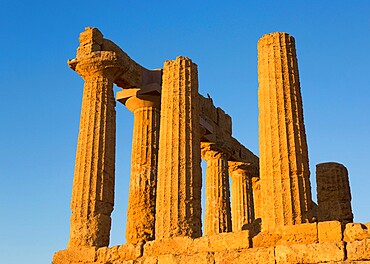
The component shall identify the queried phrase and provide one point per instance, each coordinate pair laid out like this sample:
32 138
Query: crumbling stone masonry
333 193
174 127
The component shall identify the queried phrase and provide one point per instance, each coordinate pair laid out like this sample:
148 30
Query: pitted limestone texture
242 204
178 209
140 224
218 212
333 193
174 126
93 184
284 170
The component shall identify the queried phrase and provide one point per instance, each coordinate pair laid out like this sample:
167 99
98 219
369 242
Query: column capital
99 63
211 150
145 96
242 168
139 101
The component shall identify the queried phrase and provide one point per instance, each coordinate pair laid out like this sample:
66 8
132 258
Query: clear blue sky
41 96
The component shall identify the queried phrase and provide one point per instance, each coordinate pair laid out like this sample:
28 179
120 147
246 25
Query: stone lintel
205 124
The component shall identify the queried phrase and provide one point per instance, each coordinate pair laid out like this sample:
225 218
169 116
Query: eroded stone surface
359 250
218 212
93 184
144 158
333 193
311 253
284 170
187 119
250 256
330 231
356 231
299 234
178 209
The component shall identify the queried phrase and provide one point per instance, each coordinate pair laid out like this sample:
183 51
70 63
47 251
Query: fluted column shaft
257 197
333 193
93 184
284 169
218 214
144 157
242 205
178 208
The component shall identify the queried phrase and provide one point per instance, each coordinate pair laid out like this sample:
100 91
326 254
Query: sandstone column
93 184
257 198
218 214
178 208
333 193
242 205
284 170
141 203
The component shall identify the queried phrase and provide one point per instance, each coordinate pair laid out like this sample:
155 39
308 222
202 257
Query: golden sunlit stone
174 127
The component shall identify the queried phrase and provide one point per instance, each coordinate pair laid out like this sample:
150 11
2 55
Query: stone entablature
174 127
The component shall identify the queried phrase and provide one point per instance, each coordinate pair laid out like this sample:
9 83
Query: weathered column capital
238 168
140 101
211 151
98 63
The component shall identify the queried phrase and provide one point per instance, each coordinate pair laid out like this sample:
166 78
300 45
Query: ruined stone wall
217 126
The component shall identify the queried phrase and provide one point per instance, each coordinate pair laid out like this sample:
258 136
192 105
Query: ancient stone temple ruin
266 214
